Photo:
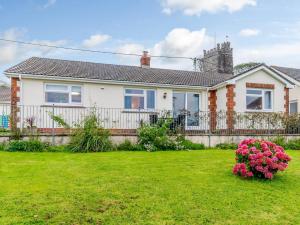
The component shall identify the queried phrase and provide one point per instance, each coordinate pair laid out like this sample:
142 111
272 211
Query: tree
244 67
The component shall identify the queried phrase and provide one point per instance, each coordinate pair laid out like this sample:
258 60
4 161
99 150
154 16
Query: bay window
259 100
62 94
139 99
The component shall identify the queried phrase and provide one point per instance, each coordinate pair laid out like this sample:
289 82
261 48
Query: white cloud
287 54
13 53
249 32
178 42
196 7
49 3
95 40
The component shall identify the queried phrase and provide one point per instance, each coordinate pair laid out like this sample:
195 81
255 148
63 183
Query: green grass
194 187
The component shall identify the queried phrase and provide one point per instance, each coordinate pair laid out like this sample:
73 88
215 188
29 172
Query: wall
263 78
209 141
108 96
295 95
221 99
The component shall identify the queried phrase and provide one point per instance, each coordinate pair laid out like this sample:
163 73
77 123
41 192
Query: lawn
194 187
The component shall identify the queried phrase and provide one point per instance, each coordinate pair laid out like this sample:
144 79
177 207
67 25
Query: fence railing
122 121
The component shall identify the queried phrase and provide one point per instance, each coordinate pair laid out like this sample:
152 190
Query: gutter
42 77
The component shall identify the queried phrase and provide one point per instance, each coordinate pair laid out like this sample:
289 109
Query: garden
162 179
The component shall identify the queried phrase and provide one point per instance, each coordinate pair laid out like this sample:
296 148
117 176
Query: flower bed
258 158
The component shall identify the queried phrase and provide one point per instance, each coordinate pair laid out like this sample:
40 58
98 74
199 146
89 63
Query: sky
259 30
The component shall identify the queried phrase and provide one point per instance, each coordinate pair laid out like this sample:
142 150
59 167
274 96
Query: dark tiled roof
108 72
4 94
291 72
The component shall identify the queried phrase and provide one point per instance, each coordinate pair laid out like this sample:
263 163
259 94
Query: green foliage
57 148
3 146
59 120
153 137
227 146
127 145
4 130
26 146
189 145
293 144
244 67
16 134
90 136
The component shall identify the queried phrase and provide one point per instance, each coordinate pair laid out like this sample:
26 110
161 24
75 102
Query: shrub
189 145
90 136
153 137
127 145
293 144
3 146
26 146
57 148
227 146
261 159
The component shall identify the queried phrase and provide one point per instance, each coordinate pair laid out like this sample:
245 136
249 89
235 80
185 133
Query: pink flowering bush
258 158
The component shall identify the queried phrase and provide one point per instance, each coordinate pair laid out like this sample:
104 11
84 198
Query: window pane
56 87
53 97
76 94
134 91
134 102
294 107
150 99
178 104
254 92
254 103
268 100
192 109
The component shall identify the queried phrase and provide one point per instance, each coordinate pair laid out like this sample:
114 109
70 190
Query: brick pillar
230 103
213 109
286 100
15 99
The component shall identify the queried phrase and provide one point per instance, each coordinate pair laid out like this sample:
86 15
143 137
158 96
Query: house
293 75
4 104
75 84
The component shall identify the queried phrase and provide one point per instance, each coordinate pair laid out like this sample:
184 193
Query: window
139 99
187 106
62 94
293 107
259 100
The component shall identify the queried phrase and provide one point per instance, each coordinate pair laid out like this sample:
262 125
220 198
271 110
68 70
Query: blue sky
260 30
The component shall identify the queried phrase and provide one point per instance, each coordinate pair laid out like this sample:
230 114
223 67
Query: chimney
145 60
219 59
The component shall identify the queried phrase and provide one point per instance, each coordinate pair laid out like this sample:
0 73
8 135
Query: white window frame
293 101
263 99
185 103
69 91
144 95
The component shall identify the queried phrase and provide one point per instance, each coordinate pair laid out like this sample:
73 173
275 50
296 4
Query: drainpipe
208 112
21 103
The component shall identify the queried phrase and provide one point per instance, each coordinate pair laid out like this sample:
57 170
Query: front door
186 106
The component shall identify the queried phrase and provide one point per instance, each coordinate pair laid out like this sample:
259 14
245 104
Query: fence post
209 129
53 132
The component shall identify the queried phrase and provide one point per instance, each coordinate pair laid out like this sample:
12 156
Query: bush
57 148
261 159
3 146
227 146
127 145
293 144
189 145
90 136
156 136
26 146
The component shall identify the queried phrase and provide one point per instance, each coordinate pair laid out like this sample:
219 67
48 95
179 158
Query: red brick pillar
15 99
286 100
212 99
230 103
